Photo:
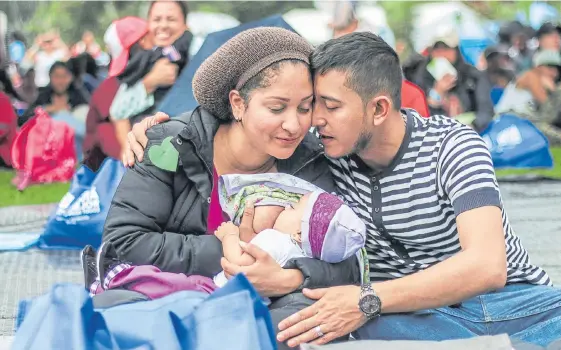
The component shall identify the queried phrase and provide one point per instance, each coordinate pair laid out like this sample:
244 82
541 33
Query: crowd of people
416 245
78 86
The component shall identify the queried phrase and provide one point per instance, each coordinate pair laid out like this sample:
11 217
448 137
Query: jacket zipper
316 156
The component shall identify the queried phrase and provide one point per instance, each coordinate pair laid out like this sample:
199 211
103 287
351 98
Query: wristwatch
369 303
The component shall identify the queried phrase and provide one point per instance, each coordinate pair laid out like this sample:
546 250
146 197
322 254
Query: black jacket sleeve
319 274
138 216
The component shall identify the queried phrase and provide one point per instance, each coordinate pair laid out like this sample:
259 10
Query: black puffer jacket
159 217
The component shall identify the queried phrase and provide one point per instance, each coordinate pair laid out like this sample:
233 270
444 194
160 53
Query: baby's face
290 220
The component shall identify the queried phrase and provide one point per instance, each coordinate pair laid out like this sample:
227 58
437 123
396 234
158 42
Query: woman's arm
139 214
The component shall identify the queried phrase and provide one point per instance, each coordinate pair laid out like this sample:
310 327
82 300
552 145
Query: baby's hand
226 228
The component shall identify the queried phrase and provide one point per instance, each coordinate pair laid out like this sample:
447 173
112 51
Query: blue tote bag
516 143
233 317
80 215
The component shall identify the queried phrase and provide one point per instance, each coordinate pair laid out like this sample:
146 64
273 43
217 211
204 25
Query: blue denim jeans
525 312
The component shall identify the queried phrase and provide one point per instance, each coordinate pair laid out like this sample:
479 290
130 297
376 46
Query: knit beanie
240 59
331 231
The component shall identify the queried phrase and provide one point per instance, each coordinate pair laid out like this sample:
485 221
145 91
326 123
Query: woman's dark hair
18 36
82 64
60 64
182 5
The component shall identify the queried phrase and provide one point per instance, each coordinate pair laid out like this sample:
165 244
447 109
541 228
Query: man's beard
363 140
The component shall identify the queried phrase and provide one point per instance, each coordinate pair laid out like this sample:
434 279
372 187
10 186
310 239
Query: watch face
370 305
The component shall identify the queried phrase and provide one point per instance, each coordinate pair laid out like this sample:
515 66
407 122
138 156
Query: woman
167 26
256 101
104 136
48 49
63 100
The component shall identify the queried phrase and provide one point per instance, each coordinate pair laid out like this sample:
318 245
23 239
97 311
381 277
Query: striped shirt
442 169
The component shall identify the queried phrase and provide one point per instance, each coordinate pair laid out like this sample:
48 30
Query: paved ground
534 210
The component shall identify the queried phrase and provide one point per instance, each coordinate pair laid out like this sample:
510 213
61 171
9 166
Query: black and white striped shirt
442 169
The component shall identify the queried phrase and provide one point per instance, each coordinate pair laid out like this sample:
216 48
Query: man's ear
378 109
238 104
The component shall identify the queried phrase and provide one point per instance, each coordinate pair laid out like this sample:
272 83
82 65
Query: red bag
8 128
43 151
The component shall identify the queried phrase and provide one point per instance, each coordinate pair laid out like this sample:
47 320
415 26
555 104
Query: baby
293 219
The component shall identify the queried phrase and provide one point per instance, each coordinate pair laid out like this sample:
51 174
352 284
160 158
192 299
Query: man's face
449 53
339 115
550 41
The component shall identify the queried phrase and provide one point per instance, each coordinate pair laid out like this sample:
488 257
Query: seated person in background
64 101
530 96
465 95
530 90
84 69
61 95
293 219
150 74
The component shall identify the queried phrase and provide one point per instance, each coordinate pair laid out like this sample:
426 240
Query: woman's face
166 23
278 117
60 79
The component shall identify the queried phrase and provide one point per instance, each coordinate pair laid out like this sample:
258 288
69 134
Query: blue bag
516 143
80 215
233 317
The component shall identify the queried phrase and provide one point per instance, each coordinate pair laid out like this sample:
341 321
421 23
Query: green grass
555 172
52 193
36 194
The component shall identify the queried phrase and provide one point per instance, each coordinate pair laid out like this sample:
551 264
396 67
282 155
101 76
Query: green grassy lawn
52 193
555 172
36 194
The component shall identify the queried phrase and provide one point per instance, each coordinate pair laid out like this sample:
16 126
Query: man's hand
226 228
445 84
335 314
137 139
266 275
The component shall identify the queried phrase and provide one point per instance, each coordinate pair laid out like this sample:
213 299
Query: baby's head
325 226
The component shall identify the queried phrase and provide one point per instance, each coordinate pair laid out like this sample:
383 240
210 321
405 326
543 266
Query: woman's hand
266 275
164 73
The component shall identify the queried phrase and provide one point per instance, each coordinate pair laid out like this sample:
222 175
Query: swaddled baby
305 221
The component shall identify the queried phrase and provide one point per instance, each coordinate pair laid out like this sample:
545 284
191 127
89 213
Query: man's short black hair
372 66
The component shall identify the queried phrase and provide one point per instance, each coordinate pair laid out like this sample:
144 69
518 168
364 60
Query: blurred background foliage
71 18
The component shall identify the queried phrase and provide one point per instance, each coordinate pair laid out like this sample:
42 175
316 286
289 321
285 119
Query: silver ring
319 333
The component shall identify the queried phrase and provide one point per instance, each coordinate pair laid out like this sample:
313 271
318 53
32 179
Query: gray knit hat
240 59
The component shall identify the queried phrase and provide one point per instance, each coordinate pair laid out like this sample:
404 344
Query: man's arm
478 268
467 177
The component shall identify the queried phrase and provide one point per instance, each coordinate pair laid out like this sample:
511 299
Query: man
440 246
467 92
549 37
